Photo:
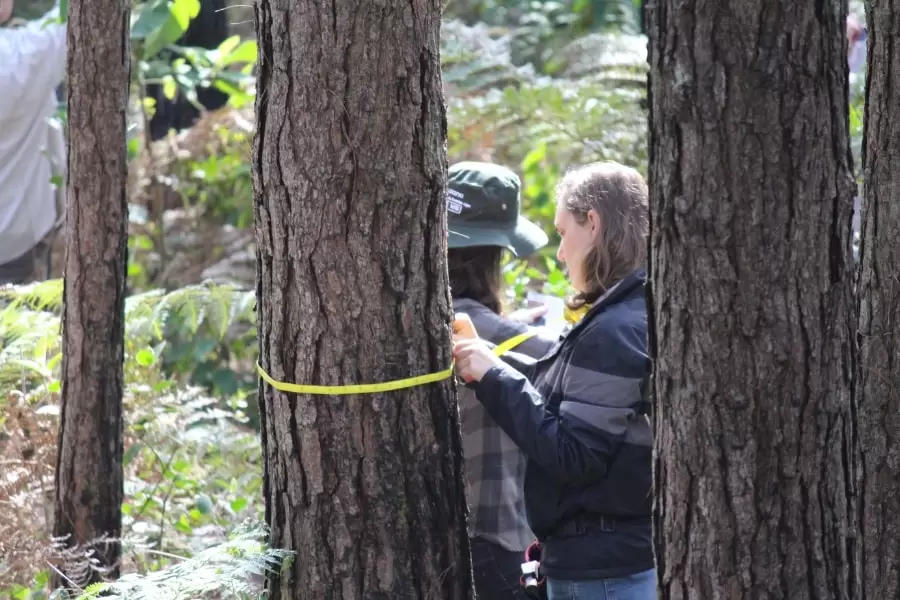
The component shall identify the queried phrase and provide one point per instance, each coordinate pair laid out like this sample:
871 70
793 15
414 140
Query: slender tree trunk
349 169
89 464
751 199
878 384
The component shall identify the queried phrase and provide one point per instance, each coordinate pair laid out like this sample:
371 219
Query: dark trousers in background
497 571
34 265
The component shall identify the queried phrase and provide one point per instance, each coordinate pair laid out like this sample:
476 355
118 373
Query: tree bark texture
877 391
751 200
89 464
349 174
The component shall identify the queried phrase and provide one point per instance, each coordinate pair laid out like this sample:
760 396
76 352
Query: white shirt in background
32 146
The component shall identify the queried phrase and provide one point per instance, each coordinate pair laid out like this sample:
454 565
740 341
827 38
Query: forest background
538 86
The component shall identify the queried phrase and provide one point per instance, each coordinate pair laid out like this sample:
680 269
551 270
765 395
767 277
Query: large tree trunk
751 198
877 392
349 168
89 464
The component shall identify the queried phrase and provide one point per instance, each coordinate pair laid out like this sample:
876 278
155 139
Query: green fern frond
41 295
30 323
232 569
592 110
94 591
578 121
29 342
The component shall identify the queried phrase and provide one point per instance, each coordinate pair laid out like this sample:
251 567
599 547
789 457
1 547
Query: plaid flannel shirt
495 467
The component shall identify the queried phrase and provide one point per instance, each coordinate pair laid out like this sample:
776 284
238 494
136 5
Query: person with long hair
484 222
579 413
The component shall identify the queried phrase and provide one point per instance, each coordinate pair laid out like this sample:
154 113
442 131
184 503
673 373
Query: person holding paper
484 222
579 413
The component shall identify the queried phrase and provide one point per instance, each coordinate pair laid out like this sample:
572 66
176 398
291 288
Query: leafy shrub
192 463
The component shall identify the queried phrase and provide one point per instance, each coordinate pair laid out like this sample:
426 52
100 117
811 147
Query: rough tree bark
89 464
751 198
877 392
349 170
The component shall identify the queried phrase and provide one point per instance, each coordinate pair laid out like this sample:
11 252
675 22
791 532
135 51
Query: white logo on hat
455 203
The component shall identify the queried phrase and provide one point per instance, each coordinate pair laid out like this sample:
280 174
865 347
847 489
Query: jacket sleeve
520 362
495 329
600 395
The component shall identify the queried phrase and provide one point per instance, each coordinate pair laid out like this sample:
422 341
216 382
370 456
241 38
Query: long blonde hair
619 196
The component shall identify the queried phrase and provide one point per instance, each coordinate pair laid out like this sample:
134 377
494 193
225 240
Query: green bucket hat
483 210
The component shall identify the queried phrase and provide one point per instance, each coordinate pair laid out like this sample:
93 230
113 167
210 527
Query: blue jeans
640 586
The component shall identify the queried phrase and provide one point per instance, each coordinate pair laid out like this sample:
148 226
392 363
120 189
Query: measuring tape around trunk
378 388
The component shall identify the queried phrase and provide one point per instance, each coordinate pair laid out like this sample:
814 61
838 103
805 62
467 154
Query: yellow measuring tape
387 386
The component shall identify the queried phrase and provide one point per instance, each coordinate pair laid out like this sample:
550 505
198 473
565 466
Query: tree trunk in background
89 464
349 172
877 392
751 198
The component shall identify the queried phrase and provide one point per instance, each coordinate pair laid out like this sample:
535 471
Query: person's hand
528 315
473 358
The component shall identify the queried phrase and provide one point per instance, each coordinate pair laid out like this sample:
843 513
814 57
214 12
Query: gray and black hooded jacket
580 417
